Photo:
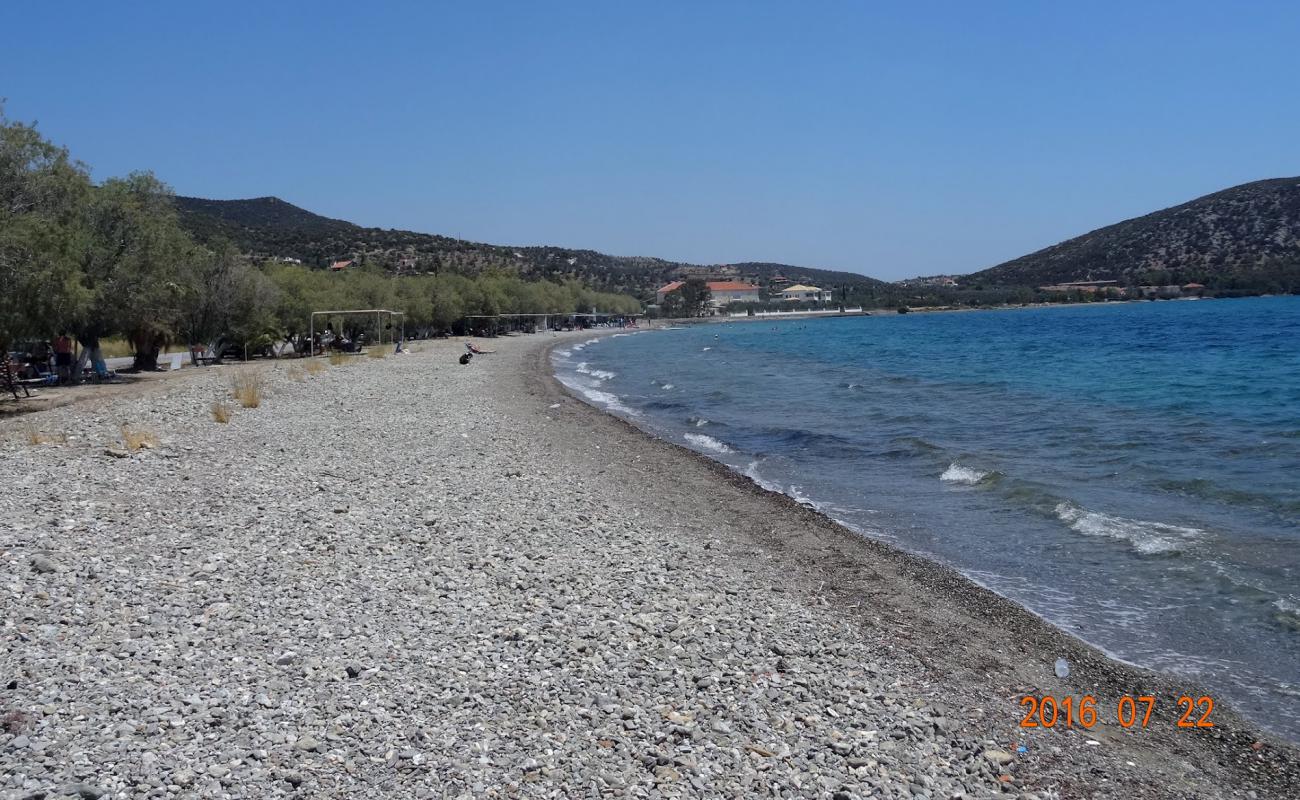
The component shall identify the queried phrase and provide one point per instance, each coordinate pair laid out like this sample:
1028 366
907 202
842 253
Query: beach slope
405 577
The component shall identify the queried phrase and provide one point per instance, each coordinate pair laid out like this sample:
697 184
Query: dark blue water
1129 471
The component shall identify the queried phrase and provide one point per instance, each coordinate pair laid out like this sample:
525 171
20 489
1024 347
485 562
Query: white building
802 293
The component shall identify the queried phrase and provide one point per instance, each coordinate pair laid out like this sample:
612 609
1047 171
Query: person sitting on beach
470 346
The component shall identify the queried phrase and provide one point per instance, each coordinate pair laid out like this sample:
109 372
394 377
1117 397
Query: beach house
806 294
720 292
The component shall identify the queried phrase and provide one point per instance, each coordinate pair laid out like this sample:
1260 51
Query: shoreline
405 577
1092 670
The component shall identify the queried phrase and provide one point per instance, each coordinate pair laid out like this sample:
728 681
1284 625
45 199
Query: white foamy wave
707 442
801 498
969 476
598 374
752 473
1287 605
699 422
596 396
564 353
707 349
1146 537
666 386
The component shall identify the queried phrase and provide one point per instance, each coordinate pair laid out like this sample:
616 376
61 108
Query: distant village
726 290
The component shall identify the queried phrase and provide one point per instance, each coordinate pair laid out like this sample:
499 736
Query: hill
1246 238
268 227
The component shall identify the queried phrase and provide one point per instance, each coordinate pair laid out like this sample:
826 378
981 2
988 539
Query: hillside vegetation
268 227
1243 239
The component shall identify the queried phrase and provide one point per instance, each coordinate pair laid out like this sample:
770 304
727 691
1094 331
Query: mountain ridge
1245 236
269 227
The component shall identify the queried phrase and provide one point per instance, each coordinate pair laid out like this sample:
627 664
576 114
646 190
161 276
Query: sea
1128 471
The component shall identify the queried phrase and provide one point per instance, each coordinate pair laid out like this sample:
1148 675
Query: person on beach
470 346
63 357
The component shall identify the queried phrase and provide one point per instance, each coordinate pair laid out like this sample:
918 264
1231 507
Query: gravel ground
410 578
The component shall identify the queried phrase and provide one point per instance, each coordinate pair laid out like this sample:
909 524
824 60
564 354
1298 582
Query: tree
42 194
695 297
130 266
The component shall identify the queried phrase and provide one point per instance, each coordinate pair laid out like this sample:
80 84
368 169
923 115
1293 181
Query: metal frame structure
378 312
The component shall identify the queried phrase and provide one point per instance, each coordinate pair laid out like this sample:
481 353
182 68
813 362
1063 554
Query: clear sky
892 139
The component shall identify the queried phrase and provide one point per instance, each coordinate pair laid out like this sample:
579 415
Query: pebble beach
403 577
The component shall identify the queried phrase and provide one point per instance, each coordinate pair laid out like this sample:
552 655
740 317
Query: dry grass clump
221 412
36 436
313 367
138 438
338 359
377 352
246 387
295 375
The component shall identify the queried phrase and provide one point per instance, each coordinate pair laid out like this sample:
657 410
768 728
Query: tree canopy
113 260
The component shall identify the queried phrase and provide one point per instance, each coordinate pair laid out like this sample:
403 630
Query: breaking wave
597 397
706 442
598 374
967 476
751 472
1146 537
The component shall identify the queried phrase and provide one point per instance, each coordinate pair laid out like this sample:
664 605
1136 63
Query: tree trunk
147 348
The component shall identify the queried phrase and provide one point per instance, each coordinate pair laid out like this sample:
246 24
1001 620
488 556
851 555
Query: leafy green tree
130 265
695 297
42 194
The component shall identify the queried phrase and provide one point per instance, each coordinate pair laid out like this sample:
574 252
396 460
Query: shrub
36 436
220 412
138 438
246 387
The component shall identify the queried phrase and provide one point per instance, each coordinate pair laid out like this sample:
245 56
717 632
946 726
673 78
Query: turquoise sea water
1129 471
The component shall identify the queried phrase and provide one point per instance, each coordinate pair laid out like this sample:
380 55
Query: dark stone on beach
355 670
43 565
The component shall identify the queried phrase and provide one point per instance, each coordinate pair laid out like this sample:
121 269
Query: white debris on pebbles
393 579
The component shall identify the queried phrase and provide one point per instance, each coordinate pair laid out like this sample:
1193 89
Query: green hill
268 227
1246 238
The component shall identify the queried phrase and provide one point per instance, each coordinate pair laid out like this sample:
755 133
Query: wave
801 498
1148 538
706 442
968 476
597 397
598 374
751 472
666 386
707 349
698 422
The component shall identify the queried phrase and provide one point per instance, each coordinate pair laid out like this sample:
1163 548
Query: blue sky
892 139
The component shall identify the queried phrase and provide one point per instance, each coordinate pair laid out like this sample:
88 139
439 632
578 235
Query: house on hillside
339 266
801 293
